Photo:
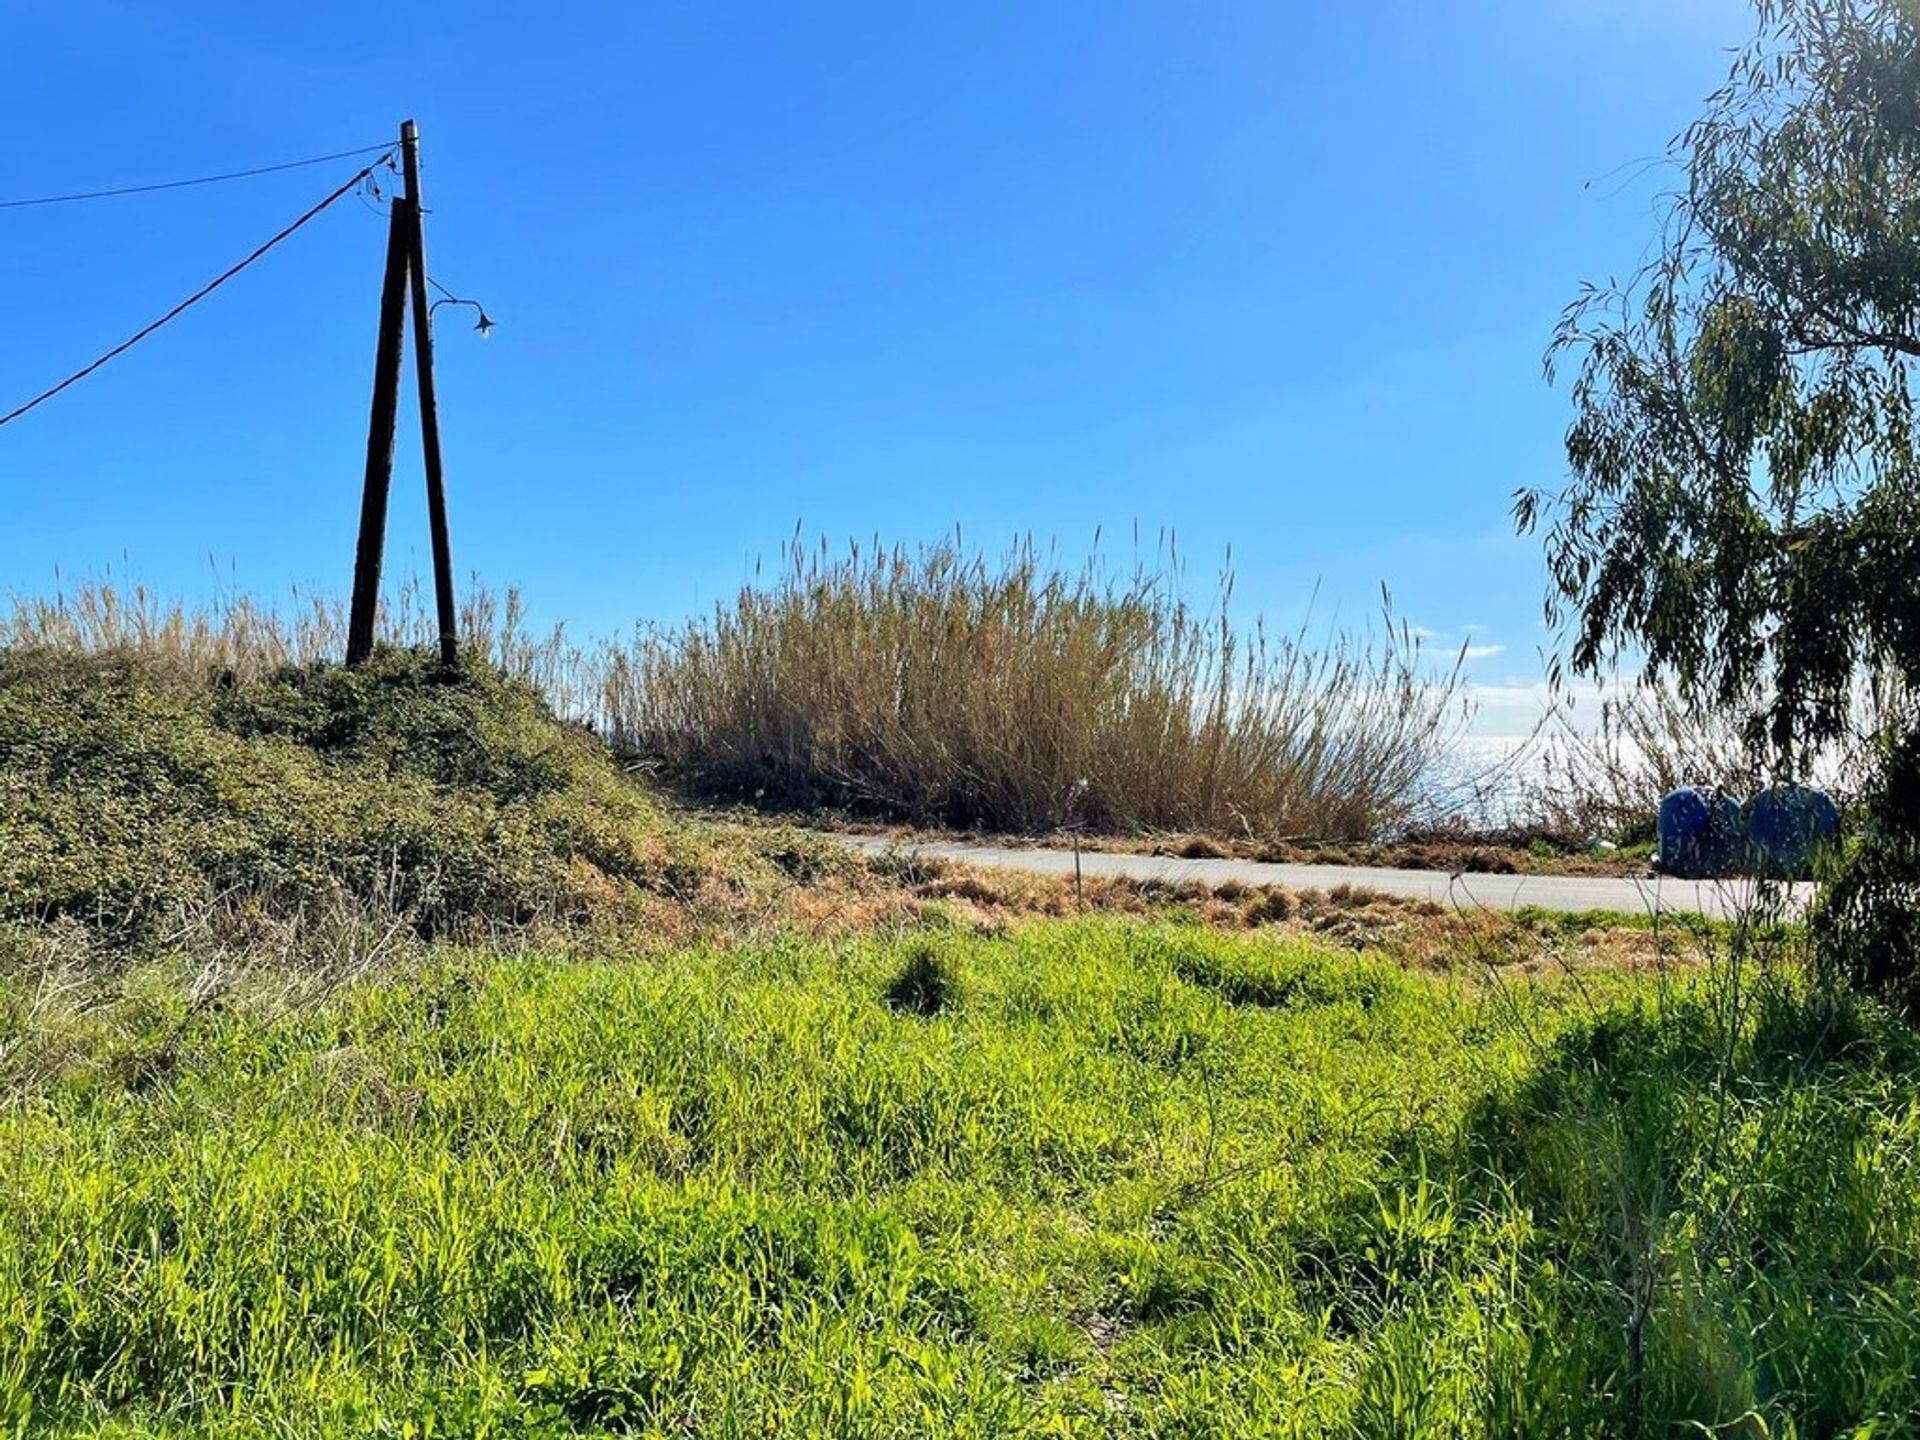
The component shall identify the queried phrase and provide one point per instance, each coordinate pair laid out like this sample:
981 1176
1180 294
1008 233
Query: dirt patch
912 891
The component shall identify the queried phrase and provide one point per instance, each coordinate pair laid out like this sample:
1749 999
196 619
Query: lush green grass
1090 1179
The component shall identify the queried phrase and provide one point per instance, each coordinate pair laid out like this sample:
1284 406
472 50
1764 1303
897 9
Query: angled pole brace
406 272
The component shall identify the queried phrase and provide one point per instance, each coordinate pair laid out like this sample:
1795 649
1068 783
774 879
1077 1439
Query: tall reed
940 685
934 685
247 637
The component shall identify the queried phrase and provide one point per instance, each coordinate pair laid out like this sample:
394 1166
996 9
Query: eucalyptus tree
1744 495
1743 505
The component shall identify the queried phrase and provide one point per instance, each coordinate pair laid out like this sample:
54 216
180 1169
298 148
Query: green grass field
1090 1178
377 1057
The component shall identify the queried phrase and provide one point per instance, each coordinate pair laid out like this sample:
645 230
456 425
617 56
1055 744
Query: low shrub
926 984
1866 926
133 792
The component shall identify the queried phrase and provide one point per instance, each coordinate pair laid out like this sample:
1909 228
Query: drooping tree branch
1744 498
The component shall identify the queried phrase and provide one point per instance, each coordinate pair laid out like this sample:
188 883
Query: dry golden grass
893 892
940 686
245 638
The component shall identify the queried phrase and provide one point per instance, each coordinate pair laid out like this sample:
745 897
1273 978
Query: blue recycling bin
1787 825
1699 833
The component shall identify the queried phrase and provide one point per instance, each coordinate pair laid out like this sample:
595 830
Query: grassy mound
1122 1180
134 793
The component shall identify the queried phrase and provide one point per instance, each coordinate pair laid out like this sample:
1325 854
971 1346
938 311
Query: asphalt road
1723 899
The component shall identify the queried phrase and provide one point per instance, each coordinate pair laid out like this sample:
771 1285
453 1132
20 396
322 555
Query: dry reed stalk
937 685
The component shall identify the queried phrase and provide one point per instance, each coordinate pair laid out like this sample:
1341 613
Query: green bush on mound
132 793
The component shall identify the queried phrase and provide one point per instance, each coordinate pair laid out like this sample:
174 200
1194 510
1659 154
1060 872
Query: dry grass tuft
244 639
940 686
895 892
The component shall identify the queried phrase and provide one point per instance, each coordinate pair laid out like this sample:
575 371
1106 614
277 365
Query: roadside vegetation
378 1056
1353 779
948 687
142 799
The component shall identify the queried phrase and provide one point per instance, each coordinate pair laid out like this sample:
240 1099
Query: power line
199 180
191 300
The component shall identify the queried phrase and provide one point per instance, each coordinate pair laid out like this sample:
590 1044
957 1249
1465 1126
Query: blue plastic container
1700 834
1786 826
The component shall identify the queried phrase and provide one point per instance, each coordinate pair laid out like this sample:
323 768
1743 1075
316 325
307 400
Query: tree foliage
1744 505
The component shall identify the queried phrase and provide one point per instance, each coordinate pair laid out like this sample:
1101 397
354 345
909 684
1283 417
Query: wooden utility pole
406 277
429 409
380 430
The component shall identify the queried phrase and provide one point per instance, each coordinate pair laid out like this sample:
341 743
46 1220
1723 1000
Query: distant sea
1484 780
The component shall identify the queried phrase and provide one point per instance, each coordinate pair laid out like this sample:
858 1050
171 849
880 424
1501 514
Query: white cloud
1458 640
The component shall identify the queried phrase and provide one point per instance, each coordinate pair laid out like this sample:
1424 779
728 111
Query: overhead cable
197 180
187 303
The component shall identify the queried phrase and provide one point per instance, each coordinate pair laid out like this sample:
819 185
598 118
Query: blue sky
1272 277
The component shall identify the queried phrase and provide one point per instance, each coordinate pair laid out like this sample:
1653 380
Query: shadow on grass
1670 1226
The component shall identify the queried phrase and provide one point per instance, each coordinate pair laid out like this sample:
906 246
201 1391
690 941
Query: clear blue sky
1277 277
